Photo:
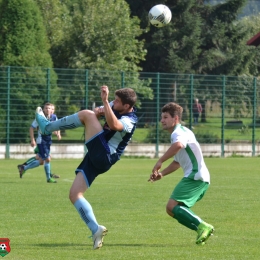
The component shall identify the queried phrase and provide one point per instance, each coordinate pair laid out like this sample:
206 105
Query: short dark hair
173 109
48 104
127 96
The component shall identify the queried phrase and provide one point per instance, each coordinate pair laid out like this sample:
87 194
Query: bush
151 137
207 138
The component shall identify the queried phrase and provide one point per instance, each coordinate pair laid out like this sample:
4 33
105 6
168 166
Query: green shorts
189 191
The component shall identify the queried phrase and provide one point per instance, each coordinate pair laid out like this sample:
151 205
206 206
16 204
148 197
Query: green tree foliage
56 20
201 39
23 44
251 25
224 49
102 36
23 40
95 35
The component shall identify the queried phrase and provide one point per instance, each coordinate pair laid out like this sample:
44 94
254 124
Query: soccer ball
3 247
160 15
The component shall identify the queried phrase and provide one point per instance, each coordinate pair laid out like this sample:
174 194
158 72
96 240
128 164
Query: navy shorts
97 160
44 149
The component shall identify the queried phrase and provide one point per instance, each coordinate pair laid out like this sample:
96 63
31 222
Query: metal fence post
86 104
223 117
254 118
7 149
191 100
157 113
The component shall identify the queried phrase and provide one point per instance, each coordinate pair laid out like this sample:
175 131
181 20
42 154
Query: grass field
41 223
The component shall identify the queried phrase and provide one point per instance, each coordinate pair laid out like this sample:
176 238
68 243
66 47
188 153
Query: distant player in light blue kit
105 146
187 154
36 161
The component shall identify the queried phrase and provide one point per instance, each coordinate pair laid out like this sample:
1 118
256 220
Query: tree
201 38
23 44
251 25
57 21
23 40
102 36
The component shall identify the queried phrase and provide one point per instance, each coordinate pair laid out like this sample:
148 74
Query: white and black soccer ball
160 15
2 246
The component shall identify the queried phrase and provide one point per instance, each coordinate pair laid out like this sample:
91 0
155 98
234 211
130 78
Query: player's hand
33 143
99 111
157 167
58 136
155 176
104 93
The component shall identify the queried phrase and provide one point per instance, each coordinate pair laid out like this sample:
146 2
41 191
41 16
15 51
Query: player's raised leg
84 117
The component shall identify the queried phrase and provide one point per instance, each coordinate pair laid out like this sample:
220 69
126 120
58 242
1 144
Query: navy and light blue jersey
117 141
41 137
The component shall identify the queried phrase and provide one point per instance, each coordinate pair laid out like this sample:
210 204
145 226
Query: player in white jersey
187 154
105 146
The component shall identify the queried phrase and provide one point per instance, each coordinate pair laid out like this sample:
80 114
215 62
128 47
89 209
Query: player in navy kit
104 144
34 161
43 146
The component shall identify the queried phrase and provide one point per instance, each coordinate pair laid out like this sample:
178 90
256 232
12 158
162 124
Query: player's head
171 115
48 109
125 99
127 96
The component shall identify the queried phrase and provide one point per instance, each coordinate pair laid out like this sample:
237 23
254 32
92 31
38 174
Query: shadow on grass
51 245
58 245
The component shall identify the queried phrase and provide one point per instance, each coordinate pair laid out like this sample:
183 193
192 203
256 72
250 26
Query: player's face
118 105
53 110
168 122
47 110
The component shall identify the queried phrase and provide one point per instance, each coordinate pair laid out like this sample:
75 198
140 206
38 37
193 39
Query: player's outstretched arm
31 132
171 168
155 176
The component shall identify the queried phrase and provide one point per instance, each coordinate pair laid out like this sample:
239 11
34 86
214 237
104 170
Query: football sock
86 212
67 122
47 168
33 164
29 160
186 217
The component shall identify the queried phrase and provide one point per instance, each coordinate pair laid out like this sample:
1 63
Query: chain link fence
230 105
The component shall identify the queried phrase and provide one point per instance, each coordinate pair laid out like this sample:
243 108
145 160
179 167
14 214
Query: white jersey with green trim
190 157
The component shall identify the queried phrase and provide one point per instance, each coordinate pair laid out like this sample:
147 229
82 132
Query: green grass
41 223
